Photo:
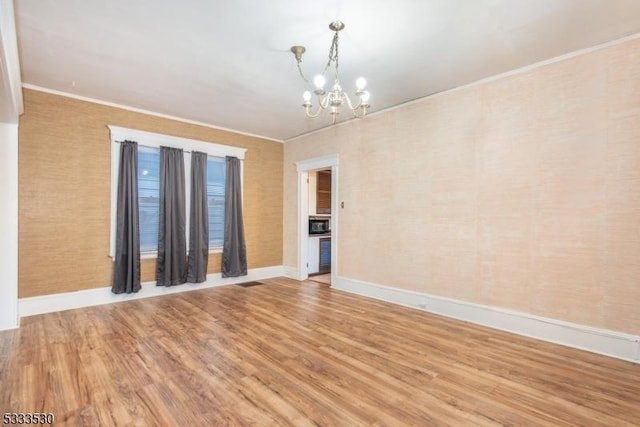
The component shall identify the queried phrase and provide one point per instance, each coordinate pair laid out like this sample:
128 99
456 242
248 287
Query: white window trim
156 140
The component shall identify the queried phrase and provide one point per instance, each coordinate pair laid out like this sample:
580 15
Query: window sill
148 255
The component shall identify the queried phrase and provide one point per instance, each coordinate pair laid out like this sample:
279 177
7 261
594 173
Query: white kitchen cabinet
313 255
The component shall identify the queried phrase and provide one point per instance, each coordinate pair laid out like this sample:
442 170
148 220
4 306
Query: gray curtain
199 220
171 264
234 250
126 271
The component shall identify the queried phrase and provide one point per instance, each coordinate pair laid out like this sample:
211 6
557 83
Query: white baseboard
89 297
602 341
291 272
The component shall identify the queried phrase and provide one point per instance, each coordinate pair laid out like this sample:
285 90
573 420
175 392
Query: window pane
215 197
149 197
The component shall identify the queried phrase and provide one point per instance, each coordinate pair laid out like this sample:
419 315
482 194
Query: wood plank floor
322 278
291 353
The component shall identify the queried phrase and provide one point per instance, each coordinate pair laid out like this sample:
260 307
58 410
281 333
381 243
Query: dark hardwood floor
291 353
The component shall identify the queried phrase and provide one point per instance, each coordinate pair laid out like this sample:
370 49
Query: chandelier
336 97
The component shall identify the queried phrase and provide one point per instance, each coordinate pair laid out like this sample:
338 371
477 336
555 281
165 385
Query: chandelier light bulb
319 81
361 82
306 96
365 96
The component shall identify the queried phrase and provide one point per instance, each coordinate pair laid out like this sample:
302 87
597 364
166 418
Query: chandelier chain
333 54
333 57
301 73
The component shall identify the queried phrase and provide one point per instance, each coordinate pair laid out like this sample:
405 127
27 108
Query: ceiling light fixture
335 98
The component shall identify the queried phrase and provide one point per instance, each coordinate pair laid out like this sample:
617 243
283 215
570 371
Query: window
216 172
149 183
148 197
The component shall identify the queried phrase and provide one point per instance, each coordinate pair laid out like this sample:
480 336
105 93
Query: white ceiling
228 64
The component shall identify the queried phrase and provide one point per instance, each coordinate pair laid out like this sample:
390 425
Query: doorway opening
318 219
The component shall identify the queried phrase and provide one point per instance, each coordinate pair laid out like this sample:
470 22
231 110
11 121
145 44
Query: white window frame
155 140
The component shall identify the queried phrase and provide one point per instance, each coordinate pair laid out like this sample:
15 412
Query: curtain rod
151 146
184 151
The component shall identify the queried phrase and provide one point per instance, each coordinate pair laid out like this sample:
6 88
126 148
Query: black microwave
319 225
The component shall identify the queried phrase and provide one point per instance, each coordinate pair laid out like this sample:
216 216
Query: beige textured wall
65 192
522 192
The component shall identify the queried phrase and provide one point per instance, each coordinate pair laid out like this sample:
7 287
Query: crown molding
143 111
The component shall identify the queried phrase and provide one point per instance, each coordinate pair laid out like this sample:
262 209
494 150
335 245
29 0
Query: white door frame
9 216
304 167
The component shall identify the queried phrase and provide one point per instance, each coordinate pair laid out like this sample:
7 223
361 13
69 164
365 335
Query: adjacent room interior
453 241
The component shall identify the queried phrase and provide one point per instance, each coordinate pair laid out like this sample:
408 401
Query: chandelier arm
317 113
351 107
360 110
323 102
